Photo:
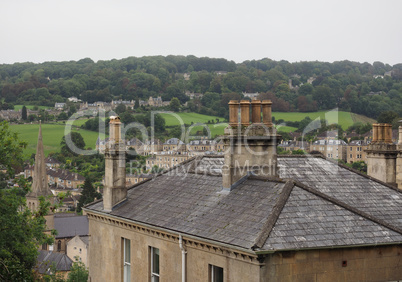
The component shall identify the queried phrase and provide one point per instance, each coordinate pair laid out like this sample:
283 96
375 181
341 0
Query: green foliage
387 117
11 149
24 113
77 140
175 104
78 273
88 194
21 233
315 85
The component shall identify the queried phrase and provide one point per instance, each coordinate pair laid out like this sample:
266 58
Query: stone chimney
114 191
251 145
399 158
382 154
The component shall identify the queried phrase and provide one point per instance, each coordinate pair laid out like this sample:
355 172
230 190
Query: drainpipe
183 259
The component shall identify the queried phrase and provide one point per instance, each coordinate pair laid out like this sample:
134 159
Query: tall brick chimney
251 145
115 190
382 154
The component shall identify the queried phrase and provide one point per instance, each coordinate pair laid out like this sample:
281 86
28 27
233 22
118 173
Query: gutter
328 247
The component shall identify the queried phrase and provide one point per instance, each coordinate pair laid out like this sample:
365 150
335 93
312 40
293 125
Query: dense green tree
387 117
24 113
175 104
21 231
88 194
78 273
11 149
121 108
62 116
77 140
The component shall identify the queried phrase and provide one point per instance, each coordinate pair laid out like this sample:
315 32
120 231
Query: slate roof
320 204
70 226
46 259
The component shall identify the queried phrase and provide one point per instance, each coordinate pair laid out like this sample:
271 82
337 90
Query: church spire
40 184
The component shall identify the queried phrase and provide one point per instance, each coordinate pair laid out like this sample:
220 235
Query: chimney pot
256 111
245 112
388 133
375 132
267 112
234 112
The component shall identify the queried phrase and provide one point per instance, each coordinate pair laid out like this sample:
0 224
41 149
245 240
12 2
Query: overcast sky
292 30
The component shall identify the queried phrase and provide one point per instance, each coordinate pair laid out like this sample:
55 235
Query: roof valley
273 217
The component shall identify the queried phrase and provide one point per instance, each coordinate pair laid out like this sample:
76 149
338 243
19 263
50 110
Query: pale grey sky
293 30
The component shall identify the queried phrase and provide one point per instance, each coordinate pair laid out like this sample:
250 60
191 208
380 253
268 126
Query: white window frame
126 260
212 274
154 275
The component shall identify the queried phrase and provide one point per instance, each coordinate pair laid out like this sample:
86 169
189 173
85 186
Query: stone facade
383 155
377 263
77 247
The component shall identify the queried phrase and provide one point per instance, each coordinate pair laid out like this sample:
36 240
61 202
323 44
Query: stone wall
381 263
106 259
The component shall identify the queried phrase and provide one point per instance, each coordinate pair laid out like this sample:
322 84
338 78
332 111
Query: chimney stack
115 190
399 158
382 155
251 148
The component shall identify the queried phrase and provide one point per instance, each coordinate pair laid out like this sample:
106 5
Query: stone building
248 216
77 247
333 149
68 226
356 151
167 160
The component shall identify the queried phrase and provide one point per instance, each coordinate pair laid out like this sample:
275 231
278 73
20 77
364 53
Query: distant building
356 151
333 149
59 106
251 95
10 115
48 260
74 99
77 248
68 226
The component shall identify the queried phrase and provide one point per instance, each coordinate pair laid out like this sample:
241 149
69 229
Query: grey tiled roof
308 221
46 259
345 185
70 226
321 205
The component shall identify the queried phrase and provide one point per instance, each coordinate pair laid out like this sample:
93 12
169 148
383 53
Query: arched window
59 246
33 206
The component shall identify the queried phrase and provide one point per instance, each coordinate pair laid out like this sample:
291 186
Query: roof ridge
347 207
273 217
321 156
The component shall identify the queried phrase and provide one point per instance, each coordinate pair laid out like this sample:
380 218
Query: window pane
127 250
216 274
155 259
127 274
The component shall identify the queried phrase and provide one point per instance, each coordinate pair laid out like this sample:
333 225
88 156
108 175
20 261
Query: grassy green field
52 134
345 119
286 128
19 107
187 118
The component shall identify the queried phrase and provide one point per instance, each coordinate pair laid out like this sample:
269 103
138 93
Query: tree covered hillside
362 88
